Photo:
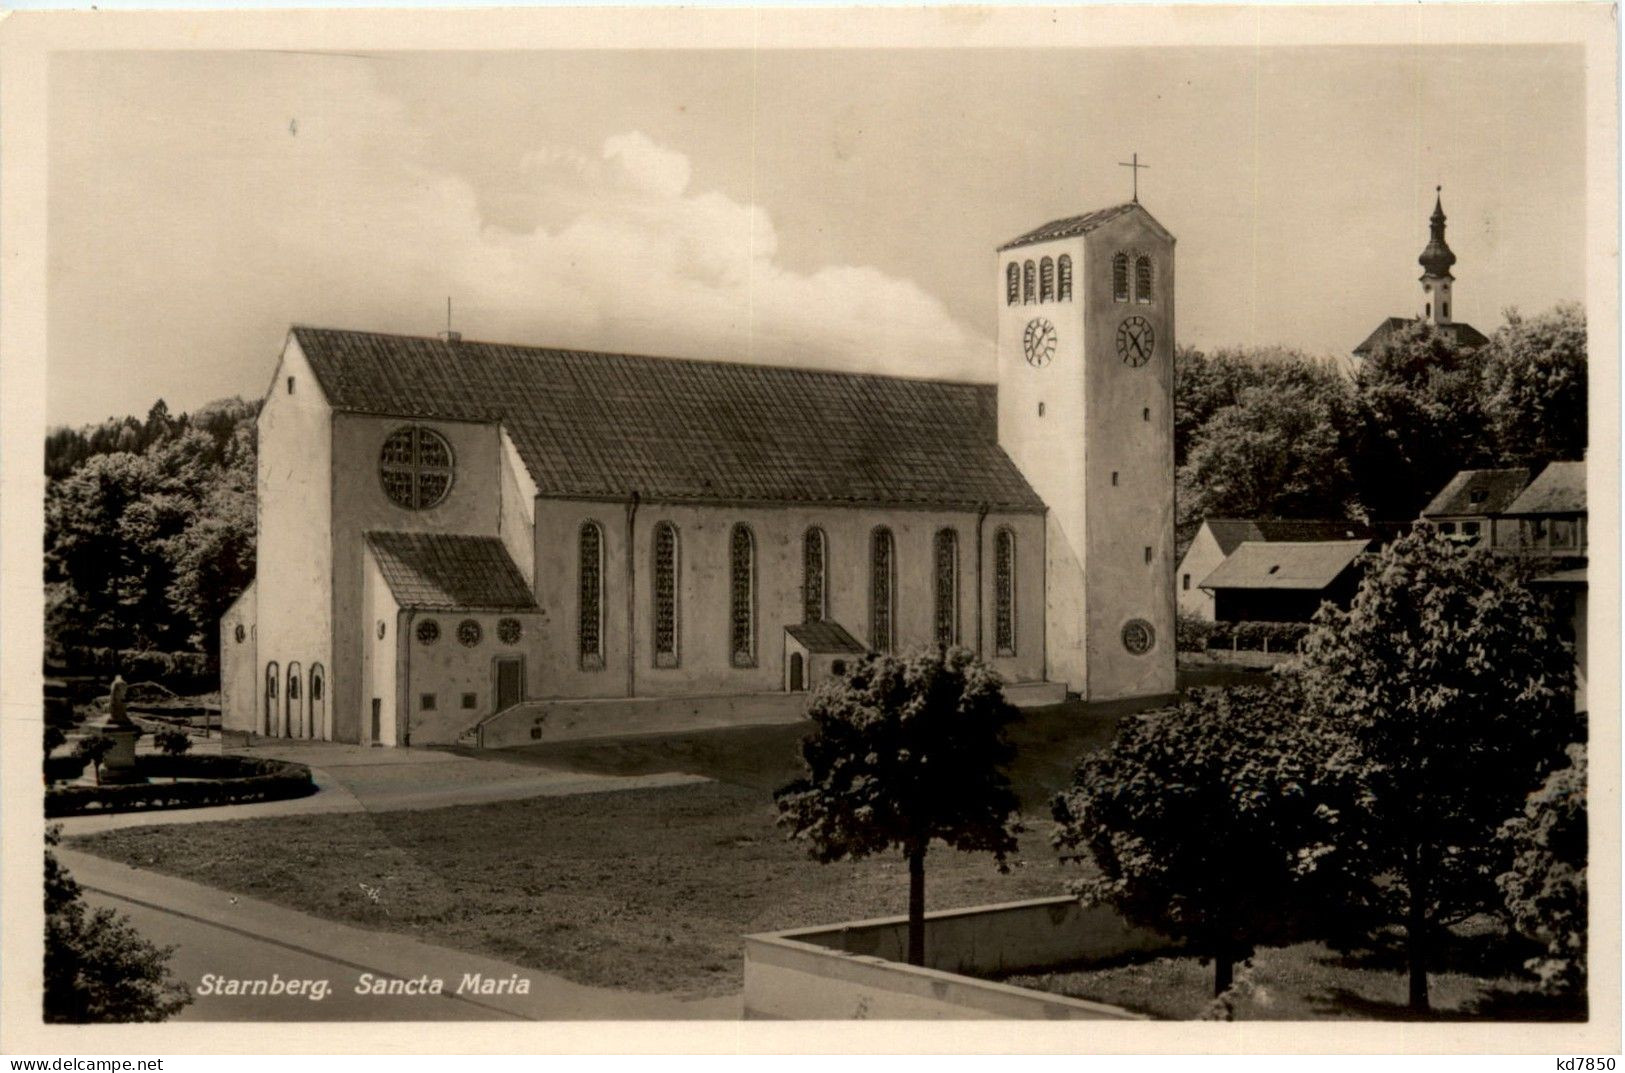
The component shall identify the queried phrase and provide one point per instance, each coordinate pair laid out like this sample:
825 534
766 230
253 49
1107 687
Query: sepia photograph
1007 517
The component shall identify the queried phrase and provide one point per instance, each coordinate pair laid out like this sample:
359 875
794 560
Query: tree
54 740
93 748
1545 888
1417 420
1212 822
904 752
98 968
1451 693
1534 387
174 743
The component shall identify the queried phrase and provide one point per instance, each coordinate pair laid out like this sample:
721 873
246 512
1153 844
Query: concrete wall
855 969
294 555
451 671
473 506
705 665
239 666
381 642
1130 417
1074 422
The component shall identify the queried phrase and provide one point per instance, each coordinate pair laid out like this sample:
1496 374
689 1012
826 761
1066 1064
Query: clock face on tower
1038 342
1134 341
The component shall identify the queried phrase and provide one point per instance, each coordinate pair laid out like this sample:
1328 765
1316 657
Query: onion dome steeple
1436 257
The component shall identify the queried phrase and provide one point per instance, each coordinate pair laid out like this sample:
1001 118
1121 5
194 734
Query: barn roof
605 425
449 572
1462 335
1560 489
1310 566
1478 491
1230 533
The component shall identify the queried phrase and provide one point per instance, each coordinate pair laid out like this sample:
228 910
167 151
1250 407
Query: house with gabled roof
495 543
1474 504
1218 539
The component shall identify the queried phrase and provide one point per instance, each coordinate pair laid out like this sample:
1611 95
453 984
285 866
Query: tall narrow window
590 592
1004 592
814 569
1142 279
1029 282
742 597
1063 269
1012 284
947 586
271 677
1046 280
665 595
882 589
1120 277
294 726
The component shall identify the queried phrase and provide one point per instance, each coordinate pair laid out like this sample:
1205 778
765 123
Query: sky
824 208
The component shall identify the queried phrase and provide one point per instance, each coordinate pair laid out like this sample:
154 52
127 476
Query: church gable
591 425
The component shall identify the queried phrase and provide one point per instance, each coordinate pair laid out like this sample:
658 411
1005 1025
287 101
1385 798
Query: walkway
354 778
245 939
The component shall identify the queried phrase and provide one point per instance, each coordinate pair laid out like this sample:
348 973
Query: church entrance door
510 682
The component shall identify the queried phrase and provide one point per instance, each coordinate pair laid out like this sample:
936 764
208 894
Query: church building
495 544
1438 285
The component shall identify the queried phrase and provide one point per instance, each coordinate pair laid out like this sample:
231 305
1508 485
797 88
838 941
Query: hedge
218 780
1257 636
133 663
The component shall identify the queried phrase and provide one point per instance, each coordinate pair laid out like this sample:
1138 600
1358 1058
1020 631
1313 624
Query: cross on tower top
1136 165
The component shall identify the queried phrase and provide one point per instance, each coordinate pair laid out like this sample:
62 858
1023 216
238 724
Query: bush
1191 632
216 780
185 669
1257 636
1546 887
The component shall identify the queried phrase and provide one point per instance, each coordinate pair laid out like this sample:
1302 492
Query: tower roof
1436 257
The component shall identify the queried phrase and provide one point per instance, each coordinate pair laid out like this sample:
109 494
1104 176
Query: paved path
351 778
245 938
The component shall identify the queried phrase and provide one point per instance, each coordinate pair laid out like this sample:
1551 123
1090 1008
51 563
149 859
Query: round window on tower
1138 636
415 467
240 633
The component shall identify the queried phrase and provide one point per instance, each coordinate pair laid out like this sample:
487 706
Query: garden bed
1306 981
209 780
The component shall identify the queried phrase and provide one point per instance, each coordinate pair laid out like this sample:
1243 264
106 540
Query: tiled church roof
447 572
1069 226
1461 335
605 425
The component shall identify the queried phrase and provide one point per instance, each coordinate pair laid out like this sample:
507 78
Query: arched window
1142 279
665 595
590 593
318 702
882 588
1119 277
742 597
1029 282
272 675
947 587
295 725
1063 269
415 466
814 570
1012 284
1004 592
1046 280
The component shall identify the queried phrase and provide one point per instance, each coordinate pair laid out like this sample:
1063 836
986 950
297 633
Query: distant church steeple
1436 260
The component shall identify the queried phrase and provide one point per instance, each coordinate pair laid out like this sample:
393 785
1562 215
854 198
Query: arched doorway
271 706
294 727
797 673
318 702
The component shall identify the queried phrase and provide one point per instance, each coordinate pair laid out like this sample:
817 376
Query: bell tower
1436 260
1085 352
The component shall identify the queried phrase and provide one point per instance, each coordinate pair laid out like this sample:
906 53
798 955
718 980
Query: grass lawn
648 890
1306 981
